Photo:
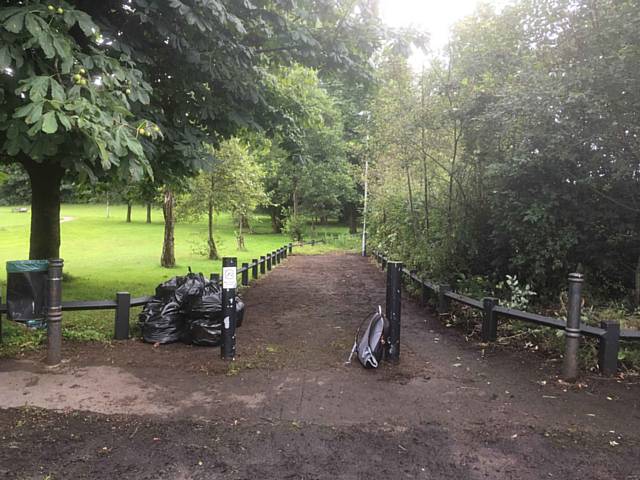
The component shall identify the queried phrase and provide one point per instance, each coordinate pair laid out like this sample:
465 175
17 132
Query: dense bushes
518 153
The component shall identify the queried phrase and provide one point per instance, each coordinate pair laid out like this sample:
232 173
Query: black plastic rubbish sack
27 291
163 323
166 290
191 288
187 309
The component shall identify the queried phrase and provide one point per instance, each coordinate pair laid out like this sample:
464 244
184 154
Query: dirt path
290 408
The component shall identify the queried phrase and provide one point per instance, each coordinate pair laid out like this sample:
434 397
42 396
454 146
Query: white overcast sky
434 16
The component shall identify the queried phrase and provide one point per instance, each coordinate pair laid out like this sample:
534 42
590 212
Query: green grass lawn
105 255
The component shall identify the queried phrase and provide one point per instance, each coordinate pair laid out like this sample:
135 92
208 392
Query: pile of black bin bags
187 309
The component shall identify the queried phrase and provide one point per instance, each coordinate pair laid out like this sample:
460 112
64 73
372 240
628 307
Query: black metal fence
123 301
609 333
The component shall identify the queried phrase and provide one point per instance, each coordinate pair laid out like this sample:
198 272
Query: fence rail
609 332
124 302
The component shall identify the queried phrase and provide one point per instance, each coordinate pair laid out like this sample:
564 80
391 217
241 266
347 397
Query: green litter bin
27 291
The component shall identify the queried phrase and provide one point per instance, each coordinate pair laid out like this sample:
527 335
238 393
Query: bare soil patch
290 408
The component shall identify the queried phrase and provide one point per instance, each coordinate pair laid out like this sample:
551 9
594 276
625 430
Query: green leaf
85 23
134 146
64 120
38 87
33 24
104 154
57 92
44 40
15 23
49 123
35 114
5 58
24 110
62 47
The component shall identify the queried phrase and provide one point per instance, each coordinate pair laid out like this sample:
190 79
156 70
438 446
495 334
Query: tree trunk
353 227
295 199
425 184
411 207
213 250
45 178
148 212
276 223
636 296
128 212
240 234
168 259
245 223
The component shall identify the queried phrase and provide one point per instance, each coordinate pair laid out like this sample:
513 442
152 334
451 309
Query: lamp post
364 211
366 115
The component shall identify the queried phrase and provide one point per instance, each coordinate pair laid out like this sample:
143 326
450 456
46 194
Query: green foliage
63 91
308 170
514 295
295 226
515 155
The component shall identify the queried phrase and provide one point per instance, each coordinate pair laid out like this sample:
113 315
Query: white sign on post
229 277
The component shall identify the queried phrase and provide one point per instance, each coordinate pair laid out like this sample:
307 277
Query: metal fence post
394 296
290 248
489 320
54 312
274 259
0 320
424 295
444 303
245 274
284 251
263 264
254 268
609 348
384 263
313 242
268 261
123 304
572 330
229 285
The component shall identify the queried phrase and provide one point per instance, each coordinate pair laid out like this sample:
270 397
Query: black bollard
284 252
263 265
54 312
424 295
0 320
489 320
290 248
123 304
609 348
245 274
268 261
572 330
274 259
444 303
229 285
394 299
254 268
